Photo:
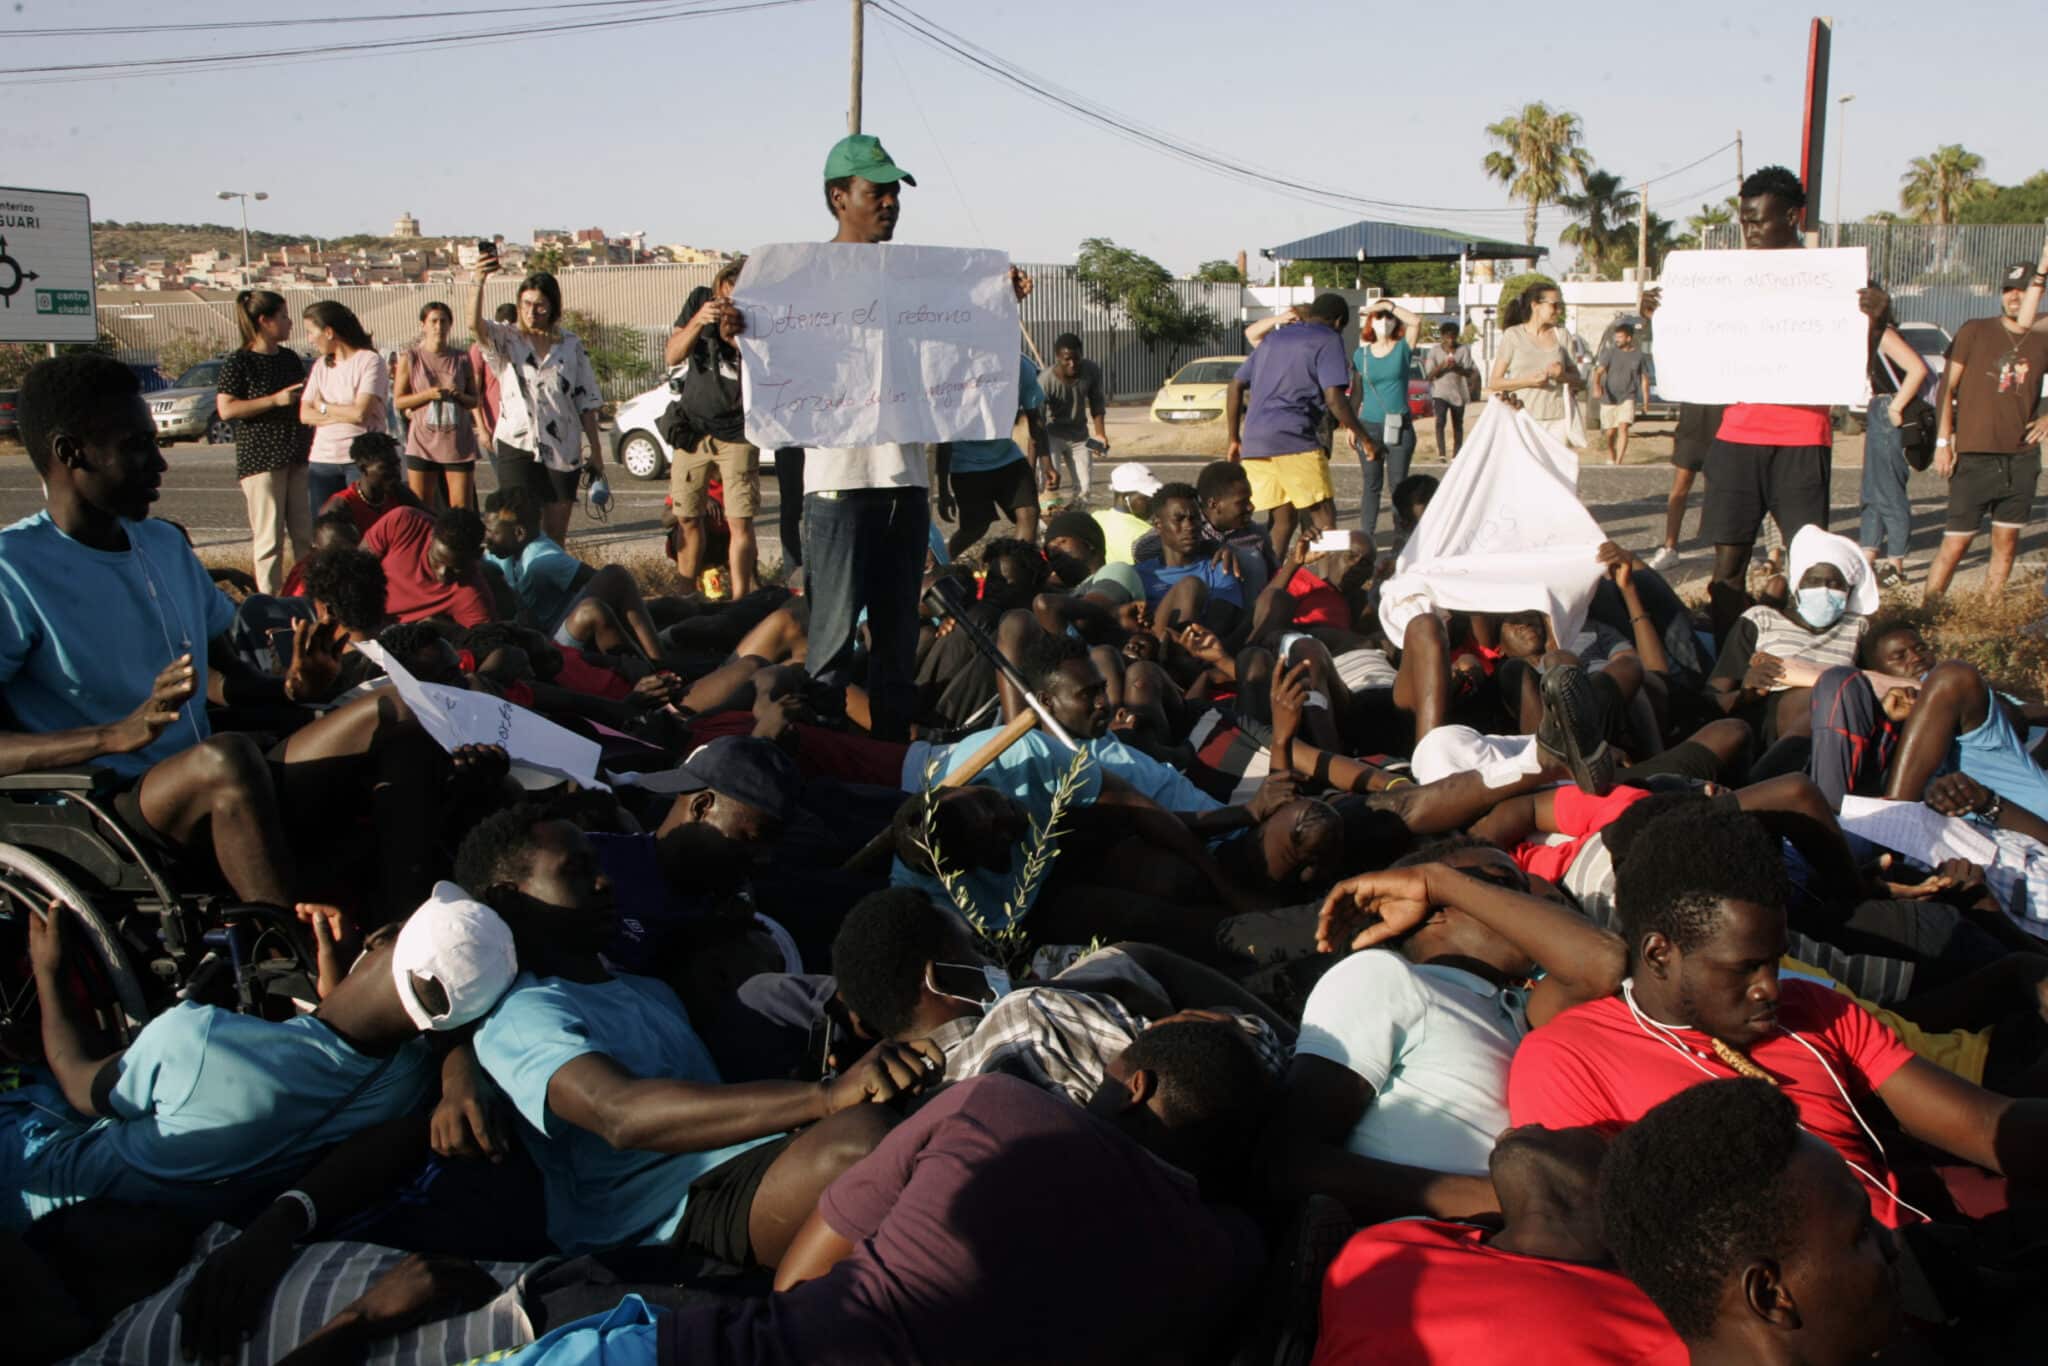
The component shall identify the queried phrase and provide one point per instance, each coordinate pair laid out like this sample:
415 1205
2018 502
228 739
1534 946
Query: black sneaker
1571 731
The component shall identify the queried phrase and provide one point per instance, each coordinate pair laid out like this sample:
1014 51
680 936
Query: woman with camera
548 399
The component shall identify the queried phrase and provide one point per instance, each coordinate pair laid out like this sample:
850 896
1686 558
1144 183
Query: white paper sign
855 345
1763 326
455 717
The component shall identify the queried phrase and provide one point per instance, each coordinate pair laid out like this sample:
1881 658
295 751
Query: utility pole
1841 161
853 99
1642 240
1738 189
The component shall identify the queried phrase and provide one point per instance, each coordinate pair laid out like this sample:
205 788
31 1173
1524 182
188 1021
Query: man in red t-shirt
379 487
1769 458
1419 1292
1702 900
430 565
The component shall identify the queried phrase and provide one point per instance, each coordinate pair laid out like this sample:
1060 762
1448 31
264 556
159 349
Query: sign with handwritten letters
542 752
1763 326
855 345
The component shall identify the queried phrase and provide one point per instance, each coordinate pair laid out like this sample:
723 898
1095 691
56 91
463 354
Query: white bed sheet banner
542 752
1506 533
855 345
1763 326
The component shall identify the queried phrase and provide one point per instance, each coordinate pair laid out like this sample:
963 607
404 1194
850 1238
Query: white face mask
1383 328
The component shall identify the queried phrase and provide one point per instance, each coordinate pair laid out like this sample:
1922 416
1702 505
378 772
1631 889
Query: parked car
1931 340
10 421
637 443
1195 393
186 412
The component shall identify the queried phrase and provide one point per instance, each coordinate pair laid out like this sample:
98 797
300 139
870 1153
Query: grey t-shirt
1450 386
1623 380
1070 403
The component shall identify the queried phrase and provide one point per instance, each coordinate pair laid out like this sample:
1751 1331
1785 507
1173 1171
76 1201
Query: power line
159 66
218 25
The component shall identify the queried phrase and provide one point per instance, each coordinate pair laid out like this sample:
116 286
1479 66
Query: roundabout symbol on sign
12 276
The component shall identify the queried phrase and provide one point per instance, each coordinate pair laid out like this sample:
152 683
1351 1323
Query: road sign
46 267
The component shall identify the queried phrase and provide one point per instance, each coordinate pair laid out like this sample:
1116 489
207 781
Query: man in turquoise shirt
620 1104
580 606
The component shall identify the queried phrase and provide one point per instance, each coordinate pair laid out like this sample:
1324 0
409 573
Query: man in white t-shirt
1400 1078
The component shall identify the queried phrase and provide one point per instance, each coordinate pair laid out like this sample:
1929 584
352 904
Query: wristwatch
1940 441
323 407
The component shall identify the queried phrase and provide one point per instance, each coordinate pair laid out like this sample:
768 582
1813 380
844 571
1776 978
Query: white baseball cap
1132 477
461 944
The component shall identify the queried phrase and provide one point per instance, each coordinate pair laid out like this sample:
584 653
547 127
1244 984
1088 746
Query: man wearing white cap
1131 487
207 1107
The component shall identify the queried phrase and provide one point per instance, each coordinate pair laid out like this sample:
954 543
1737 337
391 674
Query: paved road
200 492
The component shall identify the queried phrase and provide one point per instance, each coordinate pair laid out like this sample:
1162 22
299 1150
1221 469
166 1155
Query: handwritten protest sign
1762 326
854 345
542 752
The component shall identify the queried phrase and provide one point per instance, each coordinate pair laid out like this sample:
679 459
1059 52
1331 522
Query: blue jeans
324 481
1887 513
1387 472
865 548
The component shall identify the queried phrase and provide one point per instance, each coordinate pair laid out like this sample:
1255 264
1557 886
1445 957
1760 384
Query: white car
637 443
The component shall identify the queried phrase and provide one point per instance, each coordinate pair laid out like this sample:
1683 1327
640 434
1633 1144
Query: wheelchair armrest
85 778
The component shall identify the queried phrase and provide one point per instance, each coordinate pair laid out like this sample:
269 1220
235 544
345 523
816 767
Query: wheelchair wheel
100 970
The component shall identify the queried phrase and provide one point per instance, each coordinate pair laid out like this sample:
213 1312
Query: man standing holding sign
1988 439
1768 459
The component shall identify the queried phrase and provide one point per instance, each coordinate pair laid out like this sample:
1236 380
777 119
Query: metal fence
1945 275
641 303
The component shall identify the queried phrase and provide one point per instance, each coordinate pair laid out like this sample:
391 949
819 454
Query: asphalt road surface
201 493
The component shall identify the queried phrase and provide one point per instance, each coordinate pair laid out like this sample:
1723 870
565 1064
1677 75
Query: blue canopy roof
1396 242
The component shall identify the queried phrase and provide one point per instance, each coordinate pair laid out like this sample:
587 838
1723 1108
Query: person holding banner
1988 439
1768 459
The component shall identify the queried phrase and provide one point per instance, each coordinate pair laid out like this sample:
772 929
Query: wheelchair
138 944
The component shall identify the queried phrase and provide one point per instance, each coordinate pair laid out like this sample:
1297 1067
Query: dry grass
1987 631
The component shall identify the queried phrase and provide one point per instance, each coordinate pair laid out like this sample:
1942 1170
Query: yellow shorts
1302 479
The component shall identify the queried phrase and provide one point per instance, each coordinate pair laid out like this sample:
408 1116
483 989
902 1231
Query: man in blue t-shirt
620 1103
1294 375
1188 583
580 606
213 1111
109 630
975 480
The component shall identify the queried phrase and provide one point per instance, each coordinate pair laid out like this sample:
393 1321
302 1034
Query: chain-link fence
636 305
1945 275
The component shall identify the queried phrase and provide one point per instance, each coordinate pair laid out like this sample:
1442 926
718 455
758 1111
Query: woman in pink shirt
348 392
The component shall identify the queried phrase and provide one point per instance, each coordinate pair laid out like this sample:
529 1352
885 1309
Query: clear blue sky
713 131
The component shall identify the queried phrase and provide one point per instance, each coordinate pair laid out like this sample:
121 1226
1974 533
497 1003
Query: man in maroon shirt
431 565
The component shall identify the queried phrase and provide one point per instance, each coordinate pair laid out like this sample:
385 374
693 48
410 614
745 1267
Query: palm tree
1710 216
1935 186
1602 209
1541 152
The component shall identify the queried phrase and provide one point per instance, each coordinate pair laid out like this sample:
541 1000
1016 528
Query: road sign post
46 287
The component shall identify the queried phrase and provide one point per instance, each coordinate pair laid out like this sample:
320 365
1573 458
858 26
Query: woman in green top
1382 362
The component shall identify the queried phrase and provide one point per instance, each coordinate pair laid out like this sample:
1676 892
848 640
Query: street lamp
245 196
1841 160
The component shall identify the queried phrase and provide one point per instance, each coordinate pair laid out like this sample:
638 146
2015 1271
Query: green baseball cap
864 156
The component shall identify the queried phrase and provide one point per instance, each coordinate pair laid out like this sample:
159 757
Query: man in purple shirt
1293 374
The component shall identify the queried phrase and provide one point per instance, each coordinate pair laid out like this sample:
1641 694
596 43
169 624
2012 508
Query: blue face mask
1821 608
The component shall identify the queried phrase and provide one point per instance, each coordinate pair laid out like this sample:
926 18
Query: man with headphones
1702 903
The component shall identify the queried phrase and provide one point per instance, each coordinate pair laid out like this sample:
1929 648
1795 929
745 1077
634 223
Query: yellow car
1196 393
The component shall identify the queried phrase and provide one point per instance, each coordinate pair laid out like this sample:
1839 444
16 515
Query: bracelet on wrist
305 1204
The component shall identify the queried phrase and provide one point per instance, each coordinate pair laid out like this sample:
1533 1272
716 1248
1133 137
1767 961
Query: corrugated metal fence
641 302
1945 275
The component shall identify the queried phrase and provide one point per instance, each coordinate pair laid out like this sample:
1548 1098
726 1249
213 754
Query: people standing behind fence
1989 433
1382 360
347 393
1897 376
485 414
706 427
258 391
436 390
1532 365
548 397
1451 374
1621 376
1075 396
